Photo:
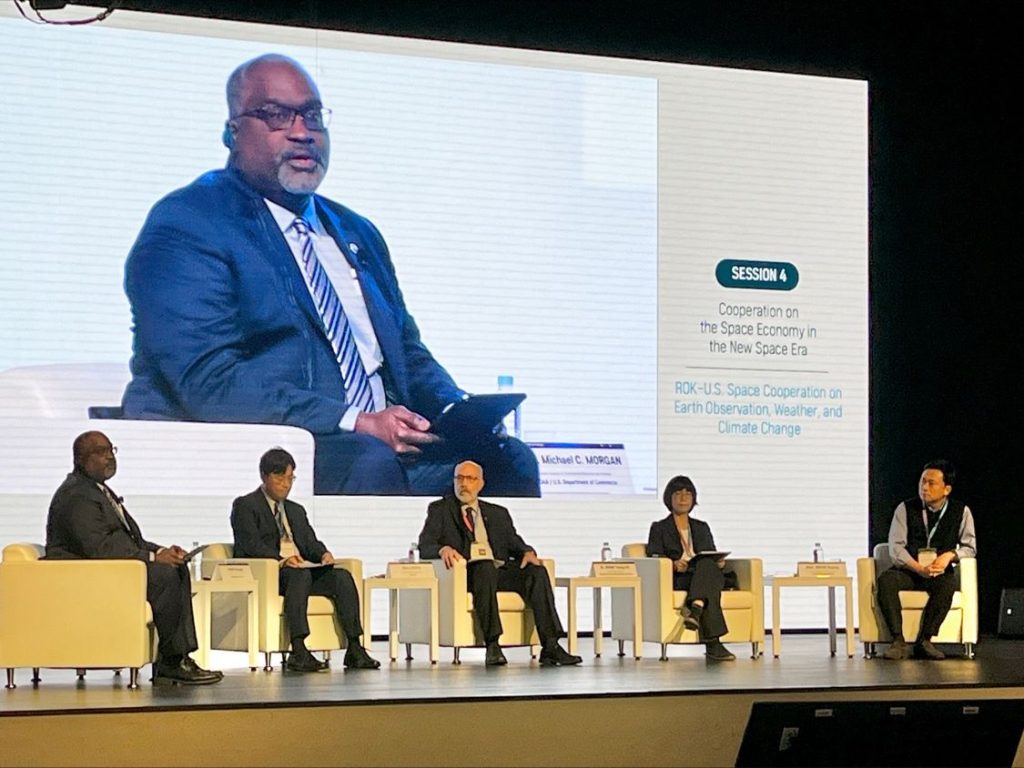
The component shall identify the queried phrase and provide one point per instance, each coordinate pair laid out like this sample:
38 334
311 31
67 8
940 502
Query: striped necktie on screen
339 332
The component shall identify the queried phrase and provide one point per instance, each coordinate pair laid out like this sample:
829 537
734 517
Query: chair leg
969 650
10 679
408 651
664 652
869 650
755 650
36 679
267 663
622 648
534 651
133 678
81 673
455 659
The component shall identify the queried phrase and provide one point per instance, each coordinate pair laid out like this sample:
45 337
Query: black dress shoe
715 651
189 663
177 672
356 657
897 650
495 657
925 650
304 662
692 619
556 656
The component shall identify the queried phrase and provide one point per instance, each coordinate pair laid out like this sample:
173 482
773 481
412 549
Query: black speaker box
1011 613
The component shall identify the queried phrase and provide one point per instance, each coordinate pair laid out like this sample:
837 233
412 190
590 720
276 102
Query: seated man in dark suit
266 524
455 524
255 300
88 520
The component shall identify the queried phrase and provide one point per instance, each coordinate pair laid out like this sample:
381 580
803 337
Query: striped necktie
339 332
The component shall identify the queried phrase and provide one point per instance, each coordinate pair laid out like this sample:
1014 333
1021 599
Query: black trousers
940 591
352 463
169 592
704 580
297 584
531 583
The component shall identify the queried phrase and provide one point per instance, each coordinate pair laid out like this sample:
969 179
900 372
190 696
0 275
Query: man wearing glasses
255 300
88 520
461 526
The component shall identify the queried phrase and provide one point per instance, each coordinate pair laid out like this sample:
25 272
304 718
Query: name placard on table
410 571
231 572
612 569
821 570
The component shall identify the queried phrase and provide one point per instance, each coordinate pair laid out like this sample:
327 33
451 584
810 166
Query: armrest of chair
103 602
23 552
549 564
750 575
969 599
354 566
656 592
866 619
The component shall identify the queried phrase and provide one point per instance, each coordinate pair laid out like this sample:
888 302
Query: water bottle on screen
606 552
414 553
818 556
196 565
514 421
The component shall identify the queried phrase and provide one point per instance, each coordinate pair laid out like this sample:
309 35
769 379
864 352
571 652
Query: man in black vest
928 536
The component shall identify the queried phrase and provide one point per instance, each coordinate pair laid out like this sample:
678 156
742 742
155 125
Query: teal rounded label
759 275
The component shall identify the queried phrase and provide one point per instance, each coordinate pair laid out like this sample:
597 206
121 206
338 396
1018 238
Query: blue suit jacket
225 330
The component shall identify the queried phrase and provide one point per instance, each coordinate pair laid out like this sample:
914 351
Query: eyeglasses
466 478
279 118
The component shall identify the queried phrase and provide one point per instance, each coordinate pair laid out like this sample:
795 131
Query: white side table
846 582
604 575
227 578
402 576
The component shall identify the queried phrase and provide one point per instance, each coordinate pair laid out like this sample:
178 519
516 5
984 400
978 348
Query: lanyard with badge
926 556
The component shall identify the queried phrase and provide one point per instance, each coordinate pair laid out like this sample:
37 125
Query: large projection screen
670 260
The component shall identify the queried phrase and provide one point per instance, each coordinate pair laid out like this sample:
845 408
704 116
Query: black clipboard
476 413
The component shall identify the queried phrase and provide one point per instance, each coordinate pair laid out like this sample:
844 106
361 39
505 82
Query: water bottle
514 421
195 565
606 552
414 553
818 555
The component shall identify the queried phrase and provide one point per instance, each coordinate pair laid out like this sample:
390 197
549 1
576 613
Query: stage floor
805 666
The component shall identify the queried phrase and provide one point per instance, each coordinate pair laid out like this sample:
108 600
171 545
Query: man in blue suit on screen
255 300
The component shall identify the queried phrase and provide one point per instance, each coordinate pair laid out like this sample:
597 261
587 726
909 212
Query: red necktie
467 518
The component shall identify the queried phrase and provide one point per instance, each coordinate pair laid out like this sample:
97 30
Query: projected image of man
255 300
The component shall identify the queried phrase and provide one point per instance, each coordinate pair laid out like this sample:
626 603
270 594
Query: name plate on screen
821 570
232 572
582 468
612 569
410 571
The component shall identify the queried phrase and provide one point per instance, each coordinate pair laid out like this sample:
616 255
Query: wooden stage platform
609 711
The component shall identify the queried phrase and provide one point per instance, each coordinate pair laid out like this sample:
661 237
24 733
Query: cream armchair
959 626
457 627
73 614
228 629
662 607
